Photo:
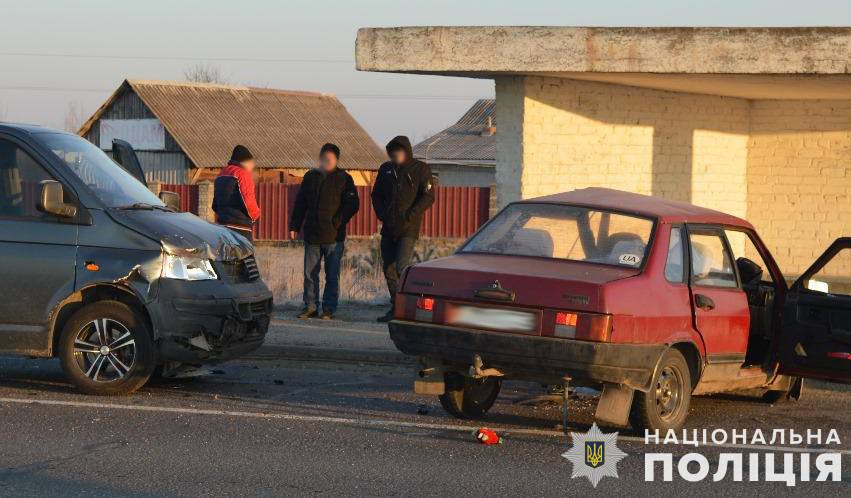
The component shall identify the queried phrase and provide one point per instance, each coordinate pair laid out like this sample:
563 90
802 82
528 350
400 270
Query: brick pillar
156 188
492 205
205 201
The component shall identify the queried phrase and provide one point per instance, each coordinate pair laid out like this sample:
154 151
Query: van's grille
241 270
252 272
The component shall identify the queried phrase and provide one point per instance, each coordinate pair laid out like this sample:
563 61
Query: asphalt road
287 427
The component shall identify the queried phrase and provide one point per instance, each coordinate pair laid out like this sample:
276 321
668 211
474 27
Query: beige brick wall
783 165
799 177
578 134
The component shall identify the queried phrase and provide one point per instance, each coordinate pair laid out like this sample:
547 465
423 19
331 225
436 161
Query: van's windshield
108 181
565 232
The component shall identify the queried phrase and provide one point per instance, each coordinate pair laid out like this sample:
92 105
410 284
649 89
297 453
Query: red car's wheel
665 405
469 398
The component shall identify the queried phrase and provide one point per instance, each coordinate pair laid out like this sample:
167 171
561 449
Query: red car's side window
711 264
674 266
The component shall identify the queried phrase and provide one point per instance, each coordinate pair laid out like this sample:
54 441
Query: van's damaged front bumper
207 322
530 357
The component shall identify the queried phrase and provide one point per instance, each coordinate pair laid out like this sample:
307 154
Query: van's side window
20 177
674 265
711 264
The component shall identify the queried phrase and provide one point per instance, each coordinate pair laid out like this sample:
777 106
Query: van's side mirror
170 199
52 200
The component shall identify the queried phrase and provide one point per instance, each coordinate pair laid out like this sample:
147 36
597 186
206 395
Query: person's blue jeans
314 255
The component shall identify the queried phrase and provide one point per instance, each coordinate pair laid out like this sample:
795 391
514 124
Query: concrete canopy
752 63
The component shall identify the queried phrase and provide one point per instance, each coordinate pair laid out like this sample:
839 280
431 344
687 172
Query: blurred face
398 156
327 161
249 165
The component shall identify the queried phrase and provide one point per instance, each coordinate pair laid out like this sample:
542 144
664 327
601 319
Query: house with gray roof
465 153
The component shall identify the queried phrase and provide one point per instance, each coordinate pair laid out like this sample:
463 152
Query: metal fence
457 211
188 195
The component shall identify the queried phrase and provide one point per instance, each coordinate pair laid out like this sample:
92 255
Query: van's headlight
188 268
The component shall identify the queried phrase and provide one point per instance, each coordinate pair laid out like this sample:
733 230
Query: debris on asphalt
422 410
487 436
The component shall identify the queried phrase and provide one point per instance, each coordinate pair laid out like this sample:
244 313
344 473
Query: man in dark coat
403 191
326 201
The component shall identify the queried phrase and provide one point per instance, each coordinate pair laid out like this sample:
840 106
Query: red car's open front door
816 330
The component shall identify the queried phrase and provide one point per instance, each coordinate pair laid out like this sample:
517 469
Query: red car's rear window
558 231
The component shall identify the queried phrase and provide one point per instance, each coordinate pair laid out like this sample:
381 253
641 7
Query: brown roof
466 142
283 129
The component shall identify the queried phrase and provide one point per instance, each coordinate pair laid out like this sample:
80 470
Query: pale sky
56 54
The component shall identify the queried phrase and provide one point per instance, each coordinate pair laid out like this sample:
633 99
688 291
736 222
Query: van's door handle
704 302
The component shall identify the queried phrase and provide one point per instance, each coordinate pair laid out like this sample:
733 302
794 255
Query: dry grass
361 279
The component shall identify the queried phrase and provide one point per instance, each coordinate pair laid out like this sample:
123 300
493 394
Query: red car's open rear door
816 329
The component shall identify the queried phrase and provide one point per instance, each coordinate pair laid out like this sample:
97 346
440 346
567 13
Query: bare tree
75 117
204 73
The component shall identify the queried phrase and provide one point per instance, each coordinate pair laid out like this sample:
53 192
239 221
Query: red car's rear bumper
523 356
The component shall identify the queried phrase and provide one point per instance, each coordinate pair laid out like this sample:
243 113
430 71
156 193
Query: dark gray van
98 271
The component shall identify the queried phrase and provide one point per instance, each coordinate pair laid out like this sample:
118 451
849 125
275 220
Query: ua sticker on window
629 259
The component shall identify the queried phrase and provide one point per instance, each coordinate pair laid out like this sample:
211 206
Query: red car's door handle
704 302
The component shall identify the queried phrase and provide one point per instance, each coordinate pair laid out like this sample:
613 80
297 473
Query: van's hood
184 234
535 282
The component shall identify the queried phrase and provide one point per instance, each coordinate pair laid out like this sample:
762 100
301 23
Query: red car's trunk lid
534 282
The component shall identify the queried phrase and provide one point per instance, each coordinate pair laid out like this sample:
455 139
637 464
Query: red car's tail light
568 319
583 326
595 328
400 307
425 303
839 356
424 310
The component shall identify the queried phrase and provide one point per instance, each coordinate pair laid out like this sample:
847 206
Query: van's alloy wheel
469 398
665 405
106 349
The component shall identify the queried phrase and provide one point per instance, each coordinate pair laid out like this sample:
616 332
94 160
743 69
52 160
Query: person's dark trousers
247 232
314 255
395 256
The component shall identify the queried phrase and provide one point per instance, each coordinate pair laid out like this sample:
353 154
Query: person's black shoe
326 315
307 313
386 317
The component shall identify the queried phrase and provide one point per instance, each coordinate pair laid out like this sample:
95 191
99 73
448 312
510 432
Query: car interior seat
701 261
534 242
11 197
619 244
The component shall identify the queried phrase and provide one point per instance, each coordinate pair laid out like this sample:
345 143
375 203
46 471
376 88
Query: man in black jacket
326 201
403 190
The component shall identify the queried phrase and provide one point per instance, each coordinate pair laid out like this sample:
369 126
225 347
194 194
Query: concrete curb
273 351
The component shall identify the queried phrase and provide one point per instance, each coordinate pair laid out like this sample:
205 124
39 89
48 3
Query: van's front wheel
106 349
469 398
665 405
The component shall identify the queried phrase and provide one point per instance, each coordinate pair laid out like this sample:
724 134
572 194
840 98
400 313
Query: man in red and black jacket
233 197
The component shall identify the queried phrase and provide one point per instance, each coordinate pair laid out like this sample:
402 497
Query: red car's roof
666 211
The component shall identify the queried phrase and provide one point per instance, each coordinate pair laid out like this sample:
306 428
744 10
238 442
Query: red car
653 299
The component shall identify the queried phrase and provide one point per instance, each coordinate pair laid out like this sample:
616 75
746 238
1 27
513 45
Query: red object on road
487 436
